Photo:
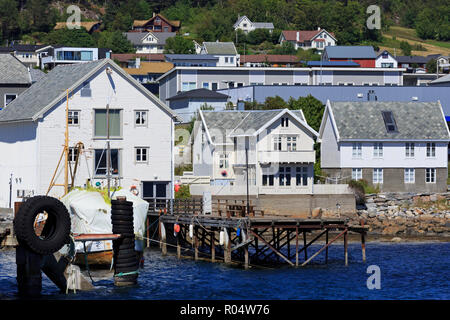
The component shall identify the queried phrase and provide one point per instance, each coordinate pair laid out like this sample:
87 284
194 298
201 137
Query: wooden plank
321 249
273 249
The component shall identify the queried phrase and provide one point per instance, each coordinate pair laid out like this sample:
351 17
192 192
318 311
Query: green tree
285 48
179 45
70 38
8 17
431 66
115 41
312 109
272 103
406 48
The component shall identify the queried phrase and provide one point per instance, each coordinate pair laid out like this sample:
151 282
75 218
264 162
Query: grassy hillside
395 35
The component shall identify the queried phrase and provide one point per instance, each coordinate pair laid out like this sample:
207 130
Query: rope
121 274
86 261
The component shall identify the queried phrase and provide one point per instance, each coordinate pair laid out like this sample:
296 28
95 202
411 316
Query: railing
180 206
307 156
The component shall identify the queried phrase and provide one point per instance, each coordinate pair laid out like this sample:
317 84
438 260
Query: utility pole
108 153
246 164
66 147
10 189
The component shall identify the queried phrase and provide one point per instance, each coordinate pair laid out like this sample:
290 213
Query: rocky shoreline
406 214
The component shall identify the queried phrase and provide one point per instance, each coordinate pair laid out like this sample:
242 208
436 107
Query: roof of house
364 120
411 59
12 71
125 57
219 47
191 57
36 74
32 103
353 52
136 38
304 35
444 79
141 23
150 67
258 25
271 58
199 93
88 25
223 125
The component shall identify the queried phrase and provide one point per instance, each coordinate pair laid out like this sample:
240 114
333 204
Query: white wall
329 149
18 155
394 156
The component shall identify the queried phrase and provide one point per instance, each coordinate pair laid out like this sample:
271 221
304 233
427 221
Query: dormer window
389 121
285 122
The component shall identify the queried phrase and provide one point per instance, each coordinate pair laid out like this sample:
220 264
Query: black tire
119 258
56 231
127 251
122 230
122 264
120 218
122 223
122 248
122 260
121 212
121 208
126 269
121 203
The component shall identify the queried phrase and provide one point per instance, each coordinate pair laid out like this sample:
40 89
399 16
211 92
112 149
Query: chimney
298 36
318 28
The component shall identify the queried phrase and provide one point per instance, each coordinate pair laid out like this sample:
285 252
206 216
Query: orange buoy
177 187
176 227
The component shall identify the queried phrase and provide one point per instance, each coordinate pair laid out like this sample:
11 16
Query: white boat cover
90 213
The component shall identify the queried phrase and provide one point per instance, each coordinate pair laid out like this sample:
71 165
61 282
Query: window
100 161
285 122
276 143
141 154
410 176
430 175
385 55
301 176
86 90
356 173
187 86
389 120
226 59
115 123
140 118
267 180
74 118
205 85
9 98
378 149
285 176
431 150
214 86
409 150
231 84
240 84
291 143
231 59
73 153
387 65
377 176
357 150
223 161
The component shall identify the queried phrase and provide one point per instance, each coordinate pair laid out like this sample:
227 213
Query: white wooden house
280 151
32 133
243 23
398 146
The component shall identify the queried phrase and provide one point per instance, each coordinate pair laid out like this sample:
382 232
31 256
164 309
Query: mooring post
29 276
227 246
163 239
246 261
346 247
296 246
178 246
213 246
326 250
363 245
148 231
304 245
195 243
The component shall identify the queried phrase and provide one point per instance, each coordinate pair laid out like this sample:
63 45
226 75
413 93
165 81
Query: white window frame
285 122
286 173
8 94
378 150
224 160
409 149
291 142
301 176
377 176
71 115
430 174
409 175
72 153
431 150
277 143
357 150
136 149
145 124
356 173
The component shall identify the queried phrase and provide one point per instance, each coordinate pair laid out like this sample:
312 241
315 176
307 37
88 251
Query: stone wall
407 214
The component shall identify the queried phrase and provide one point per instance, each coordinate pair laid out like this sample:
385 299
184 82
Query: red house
363 55
157 23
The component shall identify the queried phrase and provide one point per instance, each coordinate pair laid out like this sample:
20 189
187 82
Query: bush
361 188
183 192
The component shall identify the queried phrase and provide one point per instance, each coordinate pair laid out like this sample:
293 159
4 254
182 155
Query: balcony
299 156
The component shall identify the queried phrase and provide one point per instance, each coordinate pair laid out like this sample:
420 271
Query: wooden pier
246 239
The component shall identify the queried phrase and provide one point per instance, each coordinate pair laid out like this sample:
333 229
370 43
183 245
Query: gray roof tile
220 47
342 52
12 71
414 120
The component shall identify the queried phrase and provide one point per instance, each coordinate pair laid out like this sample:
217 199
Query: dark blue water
408 271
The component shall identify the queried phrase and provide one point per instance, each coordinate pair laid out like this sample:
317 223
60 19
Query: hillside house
307 39
149 42
157 23
243 23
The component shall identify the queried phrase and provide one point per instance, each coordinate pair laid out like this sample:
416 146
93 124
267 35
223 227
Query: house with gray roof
277 146
77 97
363 55
397 146
225 51
149 42
243 23
15 78
192 60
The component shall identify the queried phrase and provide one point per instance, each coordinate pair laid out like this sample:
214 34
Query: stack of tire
126 262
